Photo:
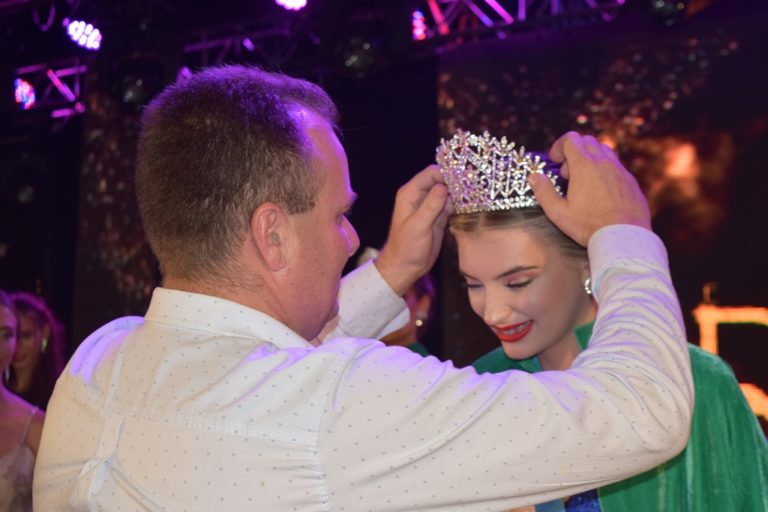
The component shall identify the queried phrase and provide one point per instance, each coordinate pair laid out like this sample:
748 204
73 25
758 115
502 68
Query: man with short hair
216 400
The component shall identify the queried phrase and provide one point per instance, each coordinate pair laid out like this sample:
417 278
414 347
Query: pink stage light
292 5
84 34
418 26
25 93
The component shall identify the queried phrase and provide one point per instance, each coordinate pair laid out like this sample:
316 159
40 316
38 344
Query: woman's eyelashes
518 284
515 285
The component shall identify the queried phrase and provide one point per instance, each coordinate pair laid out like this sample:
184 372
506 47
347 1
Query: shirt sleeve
368 307
397 422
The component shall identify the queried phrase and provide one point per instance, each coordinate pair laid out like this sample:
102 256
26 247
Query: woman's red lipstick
513 333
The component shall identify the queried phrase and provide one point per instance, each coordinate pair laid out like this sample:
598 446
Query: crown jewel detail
485 174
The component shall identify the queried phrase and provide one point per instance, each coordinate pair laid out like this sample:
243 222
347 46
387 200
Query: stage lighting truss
448 21
57 86
263 41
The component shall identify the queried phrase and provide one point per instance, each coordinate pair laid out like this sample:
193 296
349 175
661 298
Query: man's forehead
308 117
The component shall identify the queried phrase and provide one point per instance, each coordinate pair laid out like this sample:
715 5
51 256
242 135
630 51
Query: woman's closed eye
518 284
470 285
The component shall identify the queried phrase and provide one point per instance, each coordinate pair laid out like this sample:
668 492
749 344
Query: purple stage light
292 5
84 34
418 26
25 93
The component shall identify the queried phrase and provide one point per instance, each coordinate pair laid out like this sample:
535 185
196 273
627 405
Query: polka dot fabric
207 405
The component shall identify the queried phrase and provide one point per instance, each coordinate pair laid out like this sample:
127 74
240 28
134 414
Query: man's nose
353 239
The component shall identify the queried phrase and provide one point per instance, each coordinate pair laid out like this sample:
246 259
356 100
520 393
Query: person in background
420 301
21 424
39 357
531 284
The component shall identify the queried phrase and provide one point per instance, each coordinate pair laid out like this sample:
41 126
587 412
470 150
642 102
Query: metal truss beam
266 40
449 20
58 85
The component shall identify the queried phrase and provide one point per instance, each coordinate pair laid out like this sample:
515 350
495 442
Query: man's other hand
601 191
416 232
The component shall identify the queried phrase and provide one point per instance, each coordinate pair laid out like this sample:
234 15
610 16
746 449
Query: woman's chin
517 352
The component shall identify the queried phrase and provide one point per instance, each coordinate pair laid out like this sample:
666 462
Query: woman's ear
586 278
585 271
423 305
268 232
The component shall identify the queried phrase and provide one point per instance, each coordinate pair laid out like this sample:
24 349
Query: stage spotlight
83 34
363 41
668 11
418 26
24 93
359 54
292 5
139 78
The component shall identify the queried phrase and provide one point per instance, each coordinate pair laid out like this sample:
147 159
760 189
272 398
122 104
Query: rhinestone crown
486 174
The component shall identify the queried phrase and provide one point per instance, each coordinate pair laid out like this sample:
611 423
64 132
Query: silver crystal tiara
486 174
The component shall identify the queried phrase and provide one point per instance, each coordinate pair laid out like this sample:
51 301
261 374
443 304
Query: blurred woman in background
21 424
420 301
39 357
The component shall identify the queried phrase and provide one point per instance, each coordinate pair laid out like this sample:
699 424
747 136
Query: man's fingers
564 146
412 194
547 197
423 181
432 207
610 153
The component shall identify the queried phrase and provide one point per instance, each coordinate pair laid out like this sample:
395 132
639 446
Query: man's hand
416 233
601 191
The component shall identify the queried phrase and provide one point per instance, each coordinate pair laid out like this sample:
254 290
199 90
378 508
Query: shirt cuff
623 242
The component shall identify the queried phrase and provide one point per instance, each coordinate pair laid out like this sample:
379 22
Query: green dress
418 348
723 468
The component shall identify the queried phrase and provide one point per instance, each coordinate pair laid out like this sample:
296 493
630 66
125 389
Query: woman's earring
421 317
588 285
43 345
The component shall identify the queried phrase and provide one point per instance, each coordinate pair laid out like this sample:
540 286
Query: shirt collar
220 316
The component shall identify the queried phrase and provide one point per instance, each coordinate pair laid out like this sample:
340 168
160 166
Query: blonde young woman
531 285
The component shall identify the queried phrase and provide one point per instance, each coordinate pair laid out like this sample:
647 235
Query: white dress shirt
207 405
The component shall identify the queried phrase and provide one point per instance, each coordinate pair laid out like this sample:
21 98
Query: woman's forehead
501 236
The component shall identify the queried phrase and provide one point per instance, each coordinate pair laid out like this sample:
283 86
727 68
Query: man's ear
269 230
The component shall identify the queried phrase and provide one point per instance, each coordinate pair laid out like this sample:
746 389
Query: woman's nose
497 311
